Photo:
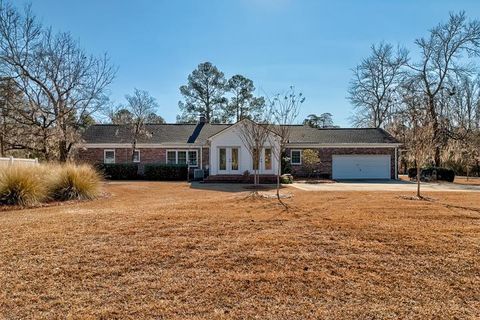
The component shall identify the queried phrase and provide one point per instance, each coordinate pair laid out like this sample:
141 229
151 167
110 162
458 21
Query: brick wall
205 157
325 154
124 155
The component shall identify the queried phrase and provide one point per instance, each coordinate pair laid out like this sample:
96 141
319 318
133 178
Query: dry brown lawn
169 251
474 181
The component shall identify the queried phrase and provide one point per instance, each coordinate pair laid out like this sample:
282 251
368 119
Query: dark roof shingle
193 133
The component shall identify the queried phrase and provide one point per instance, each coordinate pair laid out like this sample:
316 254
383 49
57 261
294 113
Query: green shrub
167 172
442 174
119 171
286 165
286 179
22 185
75 182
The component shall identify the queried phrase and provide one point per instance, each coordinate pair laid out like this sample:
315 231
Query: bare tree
284 109
415 115
372 88
255 136
63 84
140 109
442 56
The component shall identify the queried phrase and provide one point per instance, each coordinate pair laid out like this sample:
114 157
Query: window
268 159
296 157
192 158
223 158
171 157
136 156
234 158
189 157
109 156
181 157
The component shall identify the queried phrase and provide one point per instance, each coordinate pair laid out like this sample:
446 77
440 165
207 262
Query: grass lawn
170 251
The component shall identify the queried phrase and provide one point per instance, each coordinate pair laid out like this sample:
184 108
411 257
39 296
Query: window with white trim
108 156
296 157
181 157
189 157
193 158
136 156
171 157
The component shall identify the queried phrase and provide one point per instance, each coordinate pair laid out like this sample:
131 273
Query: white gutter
140 145
344 145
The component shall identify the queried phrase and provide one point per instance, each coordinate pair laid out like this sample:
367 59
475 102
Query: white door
267 161
361 167
228 160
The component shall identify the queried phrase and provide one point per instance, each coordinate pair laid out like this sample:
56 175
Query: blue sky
310 44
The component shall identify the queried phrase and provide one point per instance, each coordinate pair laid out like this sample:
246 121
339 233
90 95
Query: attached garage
360 166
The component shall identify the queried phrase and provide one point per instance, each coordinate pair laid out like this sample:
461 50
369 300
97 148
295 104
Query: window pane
109 157
268 159
182 157
234 158
171 157
192 158
295 157
222 153
136 156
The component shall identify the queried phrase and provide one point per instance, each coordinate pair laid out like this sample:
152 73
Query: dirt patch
175 251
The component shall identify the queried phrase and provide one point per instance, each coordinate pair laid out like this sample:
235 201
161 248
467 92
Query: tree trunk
436 130
63 151
134 146
2 145
418 183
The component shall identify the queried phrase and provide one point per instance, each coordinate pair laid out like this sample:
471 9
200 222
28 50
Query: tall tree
371 90
442 55
243 104
62 83
323 120
204 95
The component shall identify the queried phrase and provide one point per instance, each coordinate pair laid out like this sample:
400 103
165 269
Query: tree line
51 90
429 100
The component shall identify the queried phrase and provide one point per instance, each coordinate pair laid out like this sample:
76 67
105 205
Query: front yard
168 250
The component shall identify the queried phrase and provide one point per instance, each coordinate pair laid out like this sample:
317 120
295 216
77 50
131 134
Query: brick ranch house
218 149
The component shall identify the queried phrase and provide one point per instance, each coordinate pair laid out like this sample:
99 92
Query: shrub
286 165
310 160
442 174
412 173
168 172
119 171
75 182
22 185
286 179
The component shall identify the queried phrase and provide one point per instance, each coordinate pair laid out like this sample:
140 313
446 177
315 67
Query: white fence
10 161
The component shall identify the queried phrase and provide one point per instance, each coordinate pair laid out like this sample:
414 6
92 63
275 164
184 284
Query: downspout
396 163
201 157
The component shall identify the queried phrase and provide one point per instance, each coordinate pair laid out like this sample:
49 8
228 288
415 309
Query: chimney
202 119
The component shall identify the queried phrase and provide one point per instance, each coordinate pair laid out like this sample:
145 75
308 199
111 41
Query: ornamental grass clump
75 182
22 185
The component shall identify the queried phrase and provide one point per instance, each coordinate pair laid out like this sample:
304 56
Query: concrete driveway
385 185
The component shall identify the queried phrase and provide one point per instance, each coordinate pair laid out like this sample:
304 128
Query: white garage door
361 166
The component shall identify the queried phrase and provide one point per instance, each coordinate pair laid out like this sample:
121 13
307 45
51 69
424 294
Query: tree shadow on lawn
233 187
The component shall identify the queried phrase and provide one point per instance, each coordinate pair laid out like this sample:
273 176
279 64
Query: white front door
228 160
267 161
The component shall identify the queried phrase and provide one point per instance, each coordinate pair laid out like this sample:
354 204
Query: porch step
237 178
